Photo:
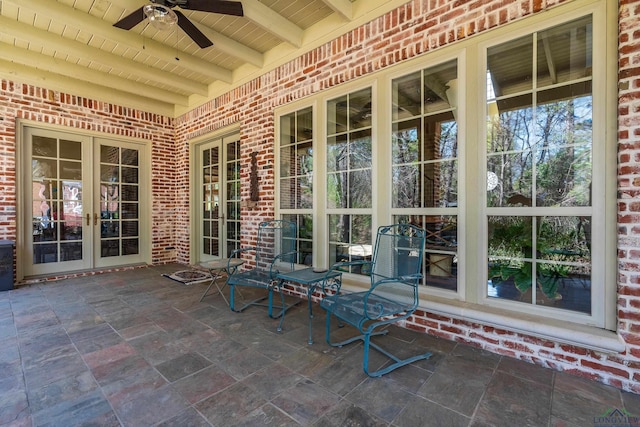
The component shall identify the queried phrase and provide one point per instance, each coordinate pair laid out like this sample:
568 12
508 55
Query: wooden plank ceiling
72 46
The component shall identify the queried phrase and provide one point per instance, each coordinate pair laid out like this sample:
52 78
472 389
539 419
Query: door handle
221 217
88 219
95 219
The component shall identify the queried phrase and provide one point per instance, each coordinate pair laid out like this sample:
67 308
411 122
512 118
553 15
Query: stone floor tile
273 380
306 402
525 370
421 412
457 384
68 312
481 358
93 330
511 400
11 368
267 416
182 366
381 397
343 375
51 370
150 407
139 330
203 384
245 363
109 354
267 343
14 403
578 400
9 351
409 377
89 409
134 383
67 388
347 414
231 404
7 327
307 362
34 321
557 422
99 342
631 403
42 351
187 418
157 347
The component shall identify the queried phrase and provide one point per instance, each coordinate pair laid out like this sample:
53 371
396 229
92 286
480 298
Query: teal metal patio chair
274 252
395 271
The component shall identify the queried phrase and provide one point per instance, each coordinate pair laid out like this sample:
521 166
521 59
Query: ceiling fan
161 15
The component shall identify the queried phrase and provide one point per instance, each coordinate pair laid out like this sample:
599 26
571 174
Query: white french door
82 208
217 225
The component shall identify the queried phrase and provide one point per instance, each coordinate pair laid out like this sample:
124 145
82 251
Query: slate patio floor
133 348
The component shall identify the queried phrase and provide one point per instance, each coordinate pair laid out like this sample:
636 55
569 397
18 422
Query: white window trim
599 300
437 58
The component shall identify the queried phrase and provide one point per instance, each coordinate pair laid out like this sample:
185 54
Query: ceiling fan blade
216 6
131 20
192 31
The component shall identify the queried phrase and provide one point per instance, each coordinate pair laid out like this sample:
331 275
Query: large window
498 147
424 152
296 177
349 166
540 167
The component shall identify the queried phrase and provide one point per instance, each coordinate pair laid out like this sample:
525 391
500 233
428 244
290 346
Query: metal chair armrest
236 254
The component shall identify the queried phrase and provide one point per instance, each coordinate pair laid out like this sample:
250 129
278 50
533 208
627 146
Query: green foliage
512 238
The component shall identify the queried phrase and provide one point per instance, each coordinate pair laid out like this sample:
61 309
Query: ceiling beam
231 47
272 22
67 46
341 7
58 66
20 73
81 20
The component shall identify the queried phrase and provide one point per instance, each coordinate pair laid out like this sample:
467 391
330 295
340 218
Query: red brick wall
629 188
21 101
416 28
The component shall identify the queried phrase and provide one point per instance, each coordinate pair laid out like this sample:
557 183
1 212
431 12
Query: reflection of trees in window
296 177
551 158
539 155
349 163
425 165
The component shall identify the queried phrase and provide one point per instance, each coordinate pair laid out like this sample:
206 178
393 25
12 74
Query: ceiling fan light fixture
161 17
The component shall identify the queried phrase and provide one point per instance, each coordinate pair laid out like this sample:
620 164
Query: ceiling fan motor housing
162 17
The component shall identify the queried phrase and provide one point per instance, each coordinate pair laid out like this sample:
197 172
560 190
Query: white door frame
90 235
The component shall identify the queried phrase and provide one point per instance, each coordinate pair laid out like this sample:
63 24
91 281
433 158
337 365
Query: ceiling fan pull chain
177 50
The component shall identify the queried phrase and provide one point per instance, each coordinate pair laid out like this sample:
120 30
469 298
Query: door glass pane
119 201
130 157
56 200
219 212
211 208
232 221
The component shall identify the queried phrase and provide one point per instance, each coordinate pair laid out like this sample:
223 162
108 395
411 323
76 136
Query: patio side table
310 278
218 268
